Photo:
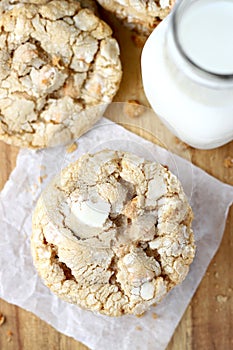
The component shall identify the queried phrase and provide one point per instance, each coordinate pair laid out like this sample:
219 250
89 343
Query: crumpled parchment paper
20 284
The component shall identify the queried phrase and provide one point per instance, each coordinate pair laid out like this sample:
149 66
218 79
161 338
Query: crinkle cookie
58 65
140 15
84 3
6 5
112 233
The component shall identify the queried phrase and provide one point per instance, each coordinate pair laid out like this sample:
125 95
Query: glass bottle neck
179 52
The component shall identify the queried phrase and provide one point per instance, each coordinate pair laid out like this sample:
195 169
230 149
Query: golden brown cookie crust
142 248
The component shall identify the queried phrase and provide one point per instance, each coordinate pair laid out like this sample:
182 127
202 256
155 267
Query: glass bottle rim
181 6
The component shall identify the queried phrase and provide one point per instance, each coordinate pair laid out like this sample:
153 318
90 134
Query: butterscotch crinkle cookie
113 233
58 65
141 15
7 3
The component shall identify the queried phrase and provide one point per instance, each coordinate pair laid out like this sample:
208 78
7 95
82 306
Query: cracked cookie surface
112 233
59 67
8 4
140 15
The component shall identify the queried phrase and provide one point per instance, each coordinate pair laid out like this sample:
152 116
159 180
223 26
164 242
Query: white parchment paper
20 284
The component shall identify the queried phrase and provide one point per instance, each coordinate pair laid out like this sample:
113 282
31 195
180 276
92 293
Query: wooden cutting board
208 321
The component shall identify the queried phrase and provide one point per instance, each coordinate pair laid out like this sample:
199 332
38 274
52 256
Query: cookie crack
113 268
68 276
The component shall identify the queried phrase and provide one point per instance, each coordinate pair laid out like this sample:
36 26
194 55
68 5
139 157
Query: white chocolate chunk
147 291
164 3
90 213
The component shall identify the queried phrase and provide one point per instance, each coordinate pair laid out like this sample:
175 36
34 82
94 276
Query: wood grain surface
208 321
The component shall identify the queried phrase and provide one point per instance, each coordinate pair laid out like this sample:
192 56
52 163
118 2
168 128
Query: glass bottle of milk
187 72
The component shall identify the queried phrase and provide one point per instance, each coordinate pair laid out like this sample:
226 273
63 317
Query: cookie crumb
141 315
41 178
138 328
2 319
133 109
154 316
165 166
9 336
228 162
138 40
221 298
216 275
71 148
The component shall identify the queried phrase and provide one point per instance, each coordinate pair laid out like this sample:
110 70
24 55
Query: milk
197 106
210 43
